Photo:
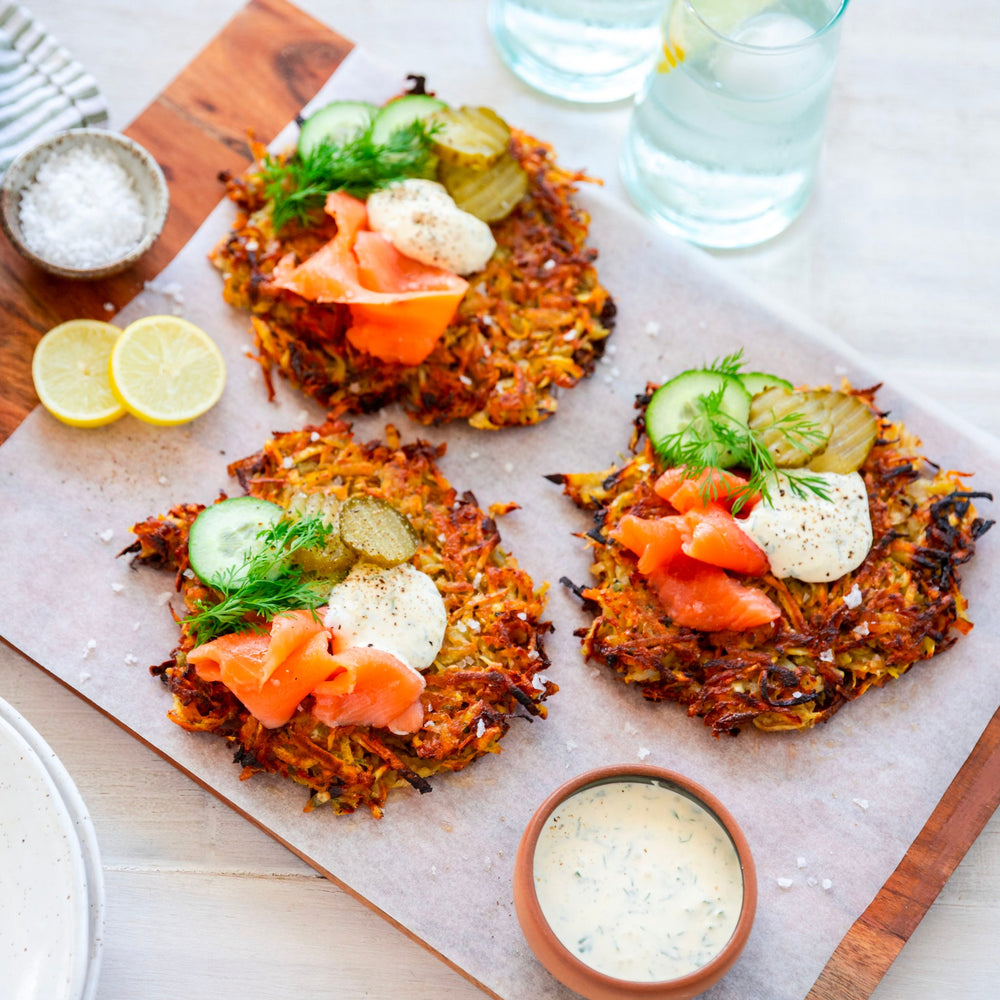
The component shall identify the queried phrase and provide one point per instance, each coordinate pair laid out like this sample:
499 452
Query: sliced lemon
165 370
70 372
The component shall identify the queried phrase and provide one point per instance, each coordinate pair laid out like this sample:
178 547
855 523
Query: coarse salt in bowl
86 203
632 881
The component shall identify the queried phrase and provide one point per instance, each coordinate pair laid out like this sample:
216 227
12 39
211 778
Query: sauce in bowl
634 881
638 880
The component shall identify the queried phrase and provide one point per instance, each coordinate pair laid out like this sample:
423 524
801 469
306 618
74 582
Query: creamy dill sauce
398 610
638 881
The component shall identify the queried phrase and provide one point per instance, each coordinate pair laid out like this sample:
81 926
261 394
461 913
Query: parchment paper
840 803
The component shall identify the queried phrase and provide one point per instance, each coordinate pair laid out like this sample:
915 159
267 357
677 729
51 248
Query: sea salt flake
314 437
549 264
827 656
106 535
538 681
862 630
89 648
522 616
130 660
812 880
860 803
652 328
800 862
480 728
827 884
643 752
84 676
465 380
109 307
163 481
118 587
854 598
288 462
785 883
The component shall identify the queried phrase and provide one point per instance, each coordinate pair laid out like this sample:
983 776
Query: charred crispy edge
925 529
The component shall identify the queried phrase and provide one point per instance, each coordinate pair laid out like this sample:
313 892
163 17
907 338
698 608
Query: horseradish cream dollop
639 881
422 221
398 610
809 538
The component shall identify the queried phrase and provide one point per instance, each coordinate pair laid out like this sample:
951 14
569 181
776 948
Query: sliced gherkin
469 137
489 194
854 431
792 426
376 531
335 557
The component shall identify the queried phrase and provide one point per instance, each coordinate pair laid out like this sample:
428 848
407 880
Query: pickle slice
489 194
854 431
335 557
376 531
469 137
792 426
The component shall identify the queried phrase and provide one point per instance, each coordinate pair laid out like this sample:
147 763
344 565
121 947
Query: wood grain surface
195 129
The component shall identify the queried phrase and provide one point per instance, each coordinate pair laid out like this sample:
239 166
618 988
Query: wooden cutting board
198 127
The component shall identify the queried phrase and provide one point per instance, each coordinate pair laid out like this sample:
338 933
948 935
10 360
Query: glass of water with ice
725 137
591 51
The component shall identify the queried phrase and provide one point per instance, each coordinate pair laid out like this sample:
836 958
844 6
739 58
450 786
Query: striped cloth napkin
43 90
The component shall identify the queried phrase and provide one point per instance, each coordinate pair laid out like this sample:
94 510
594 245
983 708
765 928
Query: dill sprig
713 437
299 183
267 583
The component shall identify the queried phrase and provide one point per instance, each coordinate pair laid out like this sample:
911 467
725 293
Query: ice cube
761 66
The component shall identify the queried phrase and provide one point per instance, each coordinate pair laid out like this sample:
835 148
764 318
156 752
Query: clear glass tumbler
591 51
724 141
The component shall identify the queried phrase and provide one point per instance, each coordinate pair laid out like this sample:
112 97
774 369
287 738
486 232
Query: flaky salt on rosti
487 673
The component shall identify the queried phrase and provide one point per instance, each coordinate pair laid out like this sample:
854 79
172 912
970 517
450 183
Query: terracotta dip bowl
632 881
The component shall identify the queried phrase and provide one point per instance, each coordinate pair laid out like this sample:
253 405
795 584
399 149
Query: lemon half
165 370
70 372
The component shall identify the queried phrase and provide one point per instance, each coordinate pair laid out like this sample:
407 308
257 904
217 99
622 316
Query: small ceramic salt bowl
632 882
86 203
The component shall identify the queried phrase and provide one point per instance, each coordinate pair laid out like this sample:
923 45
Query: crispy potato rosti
536 318
833 641
487 672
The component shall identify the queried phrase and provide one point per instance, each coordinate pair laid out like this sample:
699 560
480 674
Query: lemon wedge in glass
165 370
70 372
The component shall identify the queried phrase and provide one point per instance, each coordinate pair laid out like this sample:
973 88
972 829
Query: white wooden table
897 253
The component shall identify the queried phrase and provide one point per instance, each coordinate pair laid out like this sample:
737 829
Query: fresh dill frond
298 184
270 582
713 434
730 364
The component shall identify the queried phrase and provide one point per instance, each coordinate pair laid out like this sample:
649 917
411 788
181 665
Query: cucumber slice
676 416
755 382
401 112
223 535
336 123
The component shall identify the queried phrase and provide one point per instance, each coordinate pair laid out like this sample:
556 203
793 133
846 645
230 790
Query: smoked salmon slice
704 597
271 687
273 672
385 692
399 307
710 486
715 537
655 540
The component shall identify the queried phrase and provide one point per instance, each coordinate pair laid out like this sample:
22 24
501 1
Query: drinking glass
725 136
592 51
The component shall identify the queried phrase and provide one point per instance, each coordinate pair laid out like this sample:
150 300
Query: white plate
51 884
